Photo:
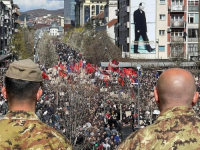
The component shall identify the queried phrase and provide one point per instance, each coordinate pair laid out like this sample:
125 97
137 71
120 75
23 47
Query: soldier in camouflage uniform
21 129
178 126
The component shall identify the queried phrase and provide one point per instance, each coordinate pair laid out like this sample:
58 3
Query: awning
7 3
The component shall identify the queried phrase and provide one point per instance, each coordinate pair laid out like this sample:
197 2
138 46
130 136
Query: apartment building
87 9
172 28
192 29
8 24
122 28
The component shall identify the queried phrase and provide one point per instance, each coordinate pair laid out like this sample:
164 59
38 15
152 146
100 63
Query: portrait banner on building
143 26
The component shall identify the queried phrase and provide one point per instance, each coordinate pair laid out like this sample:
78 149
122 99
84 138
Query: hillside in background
40 13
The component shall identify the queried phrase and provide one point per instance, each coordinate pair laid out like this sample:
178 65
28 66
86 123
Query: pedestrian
21 128
178 125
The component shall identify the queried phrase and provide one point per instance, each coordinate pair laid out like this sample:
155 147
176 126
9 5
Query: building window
193 33
161 48
193 3
177 2
161 32
162 2
162 17
193 18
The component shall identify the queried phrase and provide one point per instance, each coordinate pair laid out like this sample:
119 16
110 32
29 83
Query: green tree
18 45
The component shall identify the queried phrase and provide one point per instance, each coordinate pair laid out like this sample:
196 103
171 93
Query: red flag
115 62
62 73
81 63
71 67
120 81
121 73
76 67
109 68
106 83
62 67
115 69
45 76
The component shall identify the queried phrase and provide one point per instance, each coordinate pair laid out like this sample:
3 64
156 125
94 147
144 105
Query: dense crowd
97 113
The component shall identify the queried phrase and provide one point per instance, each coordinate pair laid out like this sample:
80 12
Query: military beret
24 70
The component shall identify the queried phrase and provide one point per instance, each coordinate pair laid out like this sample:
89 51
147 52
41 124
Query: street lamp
138 102
157 42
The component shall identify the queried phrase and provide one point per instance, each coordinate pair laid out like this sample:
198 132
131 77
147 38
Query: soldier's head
175 87
22 81
141 5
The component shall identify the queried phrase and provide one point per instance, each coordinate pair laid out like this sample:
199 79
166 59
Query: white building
89 9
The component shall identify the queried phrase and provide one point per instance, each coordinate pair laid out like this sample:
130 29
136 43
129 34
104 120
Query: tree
46 50
28 34
177 52
18 45
95 46
99 47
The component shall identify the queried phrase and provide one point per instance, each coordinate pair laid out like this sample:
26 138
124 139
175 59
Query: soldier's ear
39 94
156 95
195 98
3 91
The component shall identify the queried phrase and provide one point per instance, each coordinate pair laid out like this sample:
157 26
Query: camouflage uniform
20 130
176 128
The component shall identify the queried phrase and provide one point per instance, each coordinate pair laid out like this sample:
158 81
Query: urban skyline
39 4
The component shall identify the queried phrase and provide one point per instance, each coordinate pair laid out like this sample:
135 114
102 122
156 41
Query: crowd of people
88 109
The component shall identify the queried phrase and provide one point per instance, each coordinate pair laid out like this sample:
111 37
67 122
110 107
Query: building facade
192 29
69 11
87 9
172 28
8 24
122 28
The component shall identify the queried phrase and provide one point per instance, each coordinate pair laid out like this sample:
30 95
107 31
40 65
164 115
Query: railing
6 17
176 39
192 39
177 24
193 8
177 8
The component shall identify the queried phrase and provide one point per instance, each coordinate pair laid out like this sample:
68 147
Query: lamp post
138 102
157 42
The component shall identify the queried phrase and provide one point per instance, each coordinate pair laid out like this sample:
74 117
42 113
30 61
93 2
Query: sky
26 5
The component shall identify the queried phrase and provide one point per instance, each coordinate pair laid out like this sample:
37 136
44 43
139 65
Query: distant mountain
40 13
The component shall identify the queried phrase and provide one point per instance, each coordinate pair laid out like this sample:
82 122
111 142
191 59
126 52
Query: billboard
142 26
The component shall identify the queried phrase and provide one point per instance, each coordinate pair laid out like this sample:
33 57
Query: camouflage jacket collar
177 111
24 115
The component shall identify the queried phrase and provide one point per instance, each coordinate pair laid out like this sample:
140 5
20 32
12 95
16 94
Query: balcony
177 24
177 8
193 8
192 39
6 8
176 39
6 17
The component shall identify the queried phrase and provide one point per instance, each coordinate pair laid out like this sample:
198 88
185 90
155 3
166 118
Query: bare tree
46 50
177 52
